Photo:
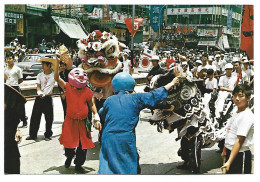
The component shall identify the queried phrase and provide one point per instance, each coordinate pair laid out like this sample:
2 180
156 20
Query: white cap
217 55
244 57
199 61
222 55
228 66
235 59
184 63
183 57
246 61
210 58
155 58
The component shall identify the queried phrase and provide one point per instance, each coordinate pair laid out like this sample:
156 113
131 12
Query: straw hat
50 60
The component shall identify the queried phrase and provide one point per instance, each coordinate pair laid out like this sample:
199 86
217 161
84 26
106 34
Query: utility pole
132 38
133 17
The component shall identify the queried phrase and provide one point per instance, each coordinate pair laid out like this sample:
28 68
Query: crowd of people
214 71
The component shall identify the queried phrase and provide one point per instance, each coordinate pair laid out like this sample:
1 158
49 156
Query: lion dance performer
99 53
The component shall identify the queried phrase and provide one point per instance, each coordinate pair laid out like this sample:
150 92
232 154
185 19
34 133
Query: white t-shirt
213 84
202 67
220 65
241 124
227 82
47 82
244 77
187 73
212 67
249 73
127 65
13 75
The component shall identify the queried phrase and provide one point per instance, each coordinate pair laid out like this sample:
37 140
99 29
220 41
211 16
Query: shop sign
19 27
15 8
39 7
105 12
207 32
107 24
156 17
11 17
189 11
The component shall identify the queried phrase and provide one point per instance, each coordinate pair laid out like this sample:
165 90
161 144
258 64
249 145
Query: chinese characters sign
105 12
183 11
156 16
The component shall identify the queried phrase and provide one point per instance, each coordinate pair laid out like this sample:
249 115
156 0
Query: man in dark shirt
156 70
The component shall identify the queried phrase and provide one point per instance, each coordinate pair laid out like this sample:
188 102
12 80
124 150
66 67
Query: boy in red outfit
74 132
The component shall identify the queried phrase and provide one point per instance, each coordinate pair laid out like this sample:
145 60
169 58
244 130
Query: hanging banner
247 31
137 24
105 12
229 20
156 17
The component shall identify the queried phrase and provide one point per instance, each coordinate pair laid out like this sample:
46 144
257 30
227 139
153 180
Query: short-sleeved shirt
47 82
244 77
241 124
227 82
13 75
213 84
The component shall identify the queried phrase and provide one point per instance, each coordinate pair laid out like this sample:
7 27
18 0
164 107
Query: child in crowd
210 83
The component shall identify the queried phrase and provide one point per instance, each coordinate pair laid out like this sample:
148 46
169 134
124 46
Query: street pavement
158 151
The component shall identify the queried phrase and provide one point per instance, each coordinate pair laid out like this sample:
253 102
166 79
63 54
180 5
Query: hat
64 56
199 61
228 66
235 59
210 58
217 56
246 61
184 63
49 60
155 58
222 55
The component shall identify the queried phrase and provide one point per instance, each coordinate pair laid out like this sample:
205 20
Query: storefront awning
70 26
225 42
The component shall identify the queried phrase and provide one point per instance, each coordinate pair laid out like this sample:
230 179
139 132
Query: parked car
30 66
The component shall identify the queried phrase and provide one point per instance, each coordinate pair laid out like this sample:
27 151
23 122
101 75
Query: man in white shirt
127 64
13 77
202 69
238 72
220 64
227 82
210 65
43 104
185 72
249 72
239 134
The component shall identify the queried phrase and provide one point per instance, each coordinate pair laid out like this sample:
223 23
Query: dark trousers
23 117
42 106
242 164
81 155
